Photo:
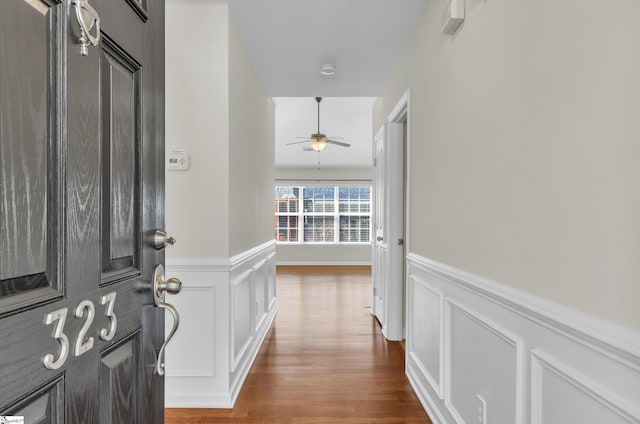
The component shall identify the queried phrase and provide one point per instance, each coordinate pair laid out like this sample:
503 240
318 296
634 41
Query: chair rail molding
478 346
227 307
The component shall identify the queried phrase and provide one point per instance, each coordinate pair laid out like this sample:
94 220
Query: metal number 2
60 316
81 345
109 300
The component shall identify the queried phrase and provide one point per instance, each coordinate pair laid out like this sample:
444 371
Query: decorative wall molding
207 340
597 333
604 370
198 264
434 380
236 357
207 264
425 398
241 375
242 258
540 361
213 380
500 333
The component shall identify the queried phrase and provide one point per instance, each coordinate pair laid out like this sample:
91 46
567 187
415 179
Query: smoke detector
328 69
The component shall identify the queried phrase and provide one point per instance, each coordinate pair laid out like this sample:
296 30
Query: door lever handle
160 287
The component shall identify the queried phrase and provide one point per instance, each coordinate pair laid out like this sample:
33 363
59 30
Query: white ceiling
348 117
288 41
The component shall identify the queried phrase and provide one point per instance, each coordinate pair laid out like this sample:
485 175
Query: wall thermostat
177 159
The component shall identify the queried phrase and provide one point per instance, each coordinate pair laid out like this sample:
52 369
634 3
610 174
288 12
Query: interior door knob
161 239
379 238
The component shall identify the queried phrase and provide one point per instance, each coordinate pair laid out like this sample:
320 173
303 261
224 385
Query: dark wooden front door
81 191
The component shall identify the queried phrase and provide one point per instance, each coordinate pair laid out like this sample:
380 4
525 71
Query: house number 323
86 310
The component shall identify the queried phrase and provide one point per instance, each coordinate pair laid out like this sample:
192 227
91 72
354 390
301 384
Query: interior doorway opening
391 245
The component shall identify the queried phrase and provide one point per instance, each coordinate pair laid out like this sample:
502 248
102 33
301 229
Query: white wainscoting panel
271 281
241 317
559 394
479 351
527 359
260 281
219 337
184 357
425 306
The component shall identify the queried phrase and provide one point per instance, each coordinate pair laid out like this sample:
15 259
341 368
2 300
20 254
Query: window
287 213
323 214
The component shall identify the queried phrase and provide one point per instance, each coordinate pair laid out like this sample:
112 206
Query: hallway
324 360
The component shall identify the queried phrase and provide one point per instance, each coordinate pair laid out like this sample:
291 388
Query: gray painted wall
524 148
223 205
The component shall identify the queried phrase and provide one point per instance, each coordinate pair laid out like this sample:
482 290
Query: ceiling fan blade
303 137
333 137
339 143
298 142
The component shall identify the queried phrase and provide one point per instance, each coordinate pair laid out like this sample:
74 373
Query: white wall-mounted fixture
178 159
452 16
328 69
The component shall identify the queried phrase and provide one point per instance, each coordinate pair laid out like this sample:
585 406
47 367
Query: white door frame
397 214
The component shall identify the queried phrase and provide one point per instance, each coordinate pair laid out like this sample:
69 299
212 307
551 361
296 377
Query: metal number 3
60 316
109 300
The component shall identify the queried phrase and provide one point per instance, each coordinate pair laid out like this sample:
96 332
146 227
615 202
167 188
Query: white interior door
395 213
379 245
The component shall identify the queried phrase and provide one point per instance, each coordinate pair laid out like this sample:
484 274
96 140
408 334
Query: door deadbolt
161 239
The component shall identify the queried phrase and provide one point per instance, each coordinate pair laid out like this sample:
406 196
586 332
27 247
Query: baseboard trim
200 400
423 396
309 263
238 382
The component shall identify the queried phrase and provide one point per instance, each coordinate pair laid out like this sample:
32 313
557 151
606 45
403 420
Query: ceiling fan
318 140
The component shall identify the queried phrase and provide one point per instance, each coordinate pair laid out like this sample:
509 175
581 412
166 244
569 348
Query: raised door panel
120 105
44 406
31 56
119 379
29 59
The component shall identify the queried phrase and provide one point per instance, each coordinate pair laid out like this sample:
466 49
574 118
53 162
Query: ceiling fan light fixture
318 143
327 69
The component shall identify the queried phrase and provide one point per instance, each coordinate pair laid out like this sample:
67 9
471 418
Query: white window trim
336 214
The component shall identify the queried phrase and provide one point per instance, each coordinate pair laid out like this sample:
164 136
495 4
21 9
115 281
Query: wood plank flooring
324 361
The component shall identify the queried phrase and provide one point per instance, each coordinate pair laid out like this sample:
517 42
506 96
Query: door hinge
400 242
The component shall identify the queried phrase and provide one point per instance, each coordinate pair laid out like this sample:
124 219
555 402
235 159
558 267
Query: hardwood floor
324 361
